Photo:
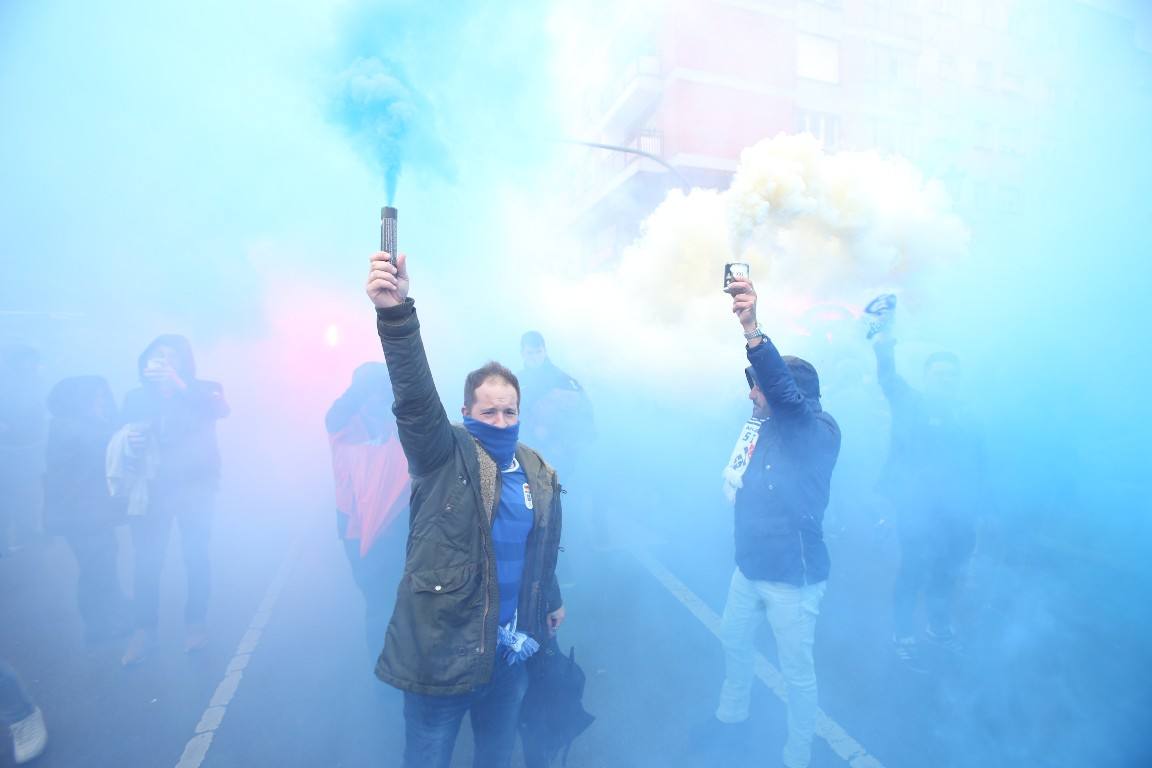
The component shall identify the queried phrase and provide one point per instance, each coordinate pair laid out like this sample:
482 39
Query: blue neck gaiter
500 442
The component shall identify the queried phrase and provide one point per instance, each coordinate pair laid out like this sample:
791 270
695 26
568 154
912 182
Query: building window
1008 198
890 66
895 137
822 125
817 58
949 69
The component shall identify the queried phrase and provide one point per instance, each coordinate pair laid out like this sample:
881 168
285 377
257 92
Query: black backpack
552 714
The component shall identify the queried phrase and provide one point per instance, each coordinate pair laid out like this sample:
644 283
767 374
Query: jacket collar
535 469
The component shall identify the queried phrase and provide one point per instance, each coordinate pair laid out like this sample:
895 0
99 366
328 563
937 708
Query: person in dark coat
557 414
172 416
782 563
479 593
935 480
370 476
77 502
20 716
22 430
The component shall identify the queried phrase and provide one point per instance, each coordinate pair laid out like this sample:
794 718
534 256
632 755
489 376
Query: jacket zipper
542 622
803 560
484 537
536 564
487 594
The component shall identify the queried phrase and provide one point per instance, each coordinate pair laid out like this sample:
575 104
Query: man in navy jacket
781 560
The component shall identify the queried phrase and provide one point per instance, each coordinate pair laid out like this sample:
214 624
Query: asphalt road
1041 682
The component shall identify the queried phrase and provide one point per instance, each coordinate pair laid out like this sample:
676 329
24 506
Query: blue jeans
431 723
15 704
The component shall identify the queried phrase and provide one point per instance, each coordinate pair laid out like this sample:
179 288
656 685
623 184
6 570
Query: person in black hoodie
77 504
782 562
20 716
372 492
557 414
22 428
173 414
935 480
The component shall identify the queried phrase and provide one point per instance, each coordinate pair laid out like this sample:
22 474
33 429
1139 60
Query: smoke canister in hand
388 232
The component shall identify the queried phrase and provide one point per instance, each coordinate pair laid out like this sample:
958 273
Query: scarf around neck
733 474
499 442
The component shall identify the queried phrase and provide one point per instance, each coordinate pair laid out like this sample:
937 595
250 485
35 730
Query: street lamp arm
633 151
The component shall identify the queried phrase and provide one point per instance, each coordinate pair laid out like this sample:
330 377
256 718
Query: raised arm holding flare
479 593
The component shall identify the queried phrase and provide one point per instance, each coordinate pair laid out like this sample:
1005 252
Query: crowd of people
479 593
452 529
150 464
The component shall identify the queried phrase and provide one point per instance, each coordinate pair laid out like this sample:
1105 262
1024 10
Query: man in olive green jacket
479 592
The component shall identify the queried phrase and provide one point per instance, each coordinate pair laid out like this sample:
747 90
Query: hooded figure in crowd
77 501
372 489
21 717
554 408
22 428
170 426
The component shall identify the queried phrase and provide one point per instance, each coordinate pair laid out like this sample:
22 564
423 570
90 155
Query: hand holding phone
736 270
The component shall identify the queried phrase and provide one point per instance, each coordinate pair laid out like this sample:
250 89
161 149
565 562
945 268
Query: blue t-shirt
510 529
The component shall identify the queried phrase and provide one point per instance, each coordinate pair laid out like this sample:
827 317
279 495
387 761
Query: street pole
684 185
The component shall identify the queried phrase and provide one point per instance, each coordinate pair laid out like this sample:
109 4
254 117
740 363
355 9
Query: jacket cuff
395 321
761 349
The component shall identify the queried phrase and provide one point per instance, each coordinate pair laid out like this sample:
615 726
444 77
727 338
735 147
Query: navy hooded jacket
780 508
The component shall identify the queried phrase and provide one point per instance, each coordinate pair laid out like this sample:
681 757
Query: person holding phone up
781 561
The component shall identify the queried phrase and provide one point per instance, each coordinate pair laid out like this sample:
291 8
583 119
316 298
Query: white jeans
791 612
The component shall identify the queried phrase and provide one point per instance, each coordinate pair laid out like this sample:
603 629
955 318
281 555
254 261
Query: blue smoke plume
386 118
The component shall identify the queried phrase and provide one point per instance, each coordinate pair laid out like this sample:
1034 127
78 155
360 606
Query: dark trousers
377 574
932 559
98 596
21 494
191 509
15 704
431 723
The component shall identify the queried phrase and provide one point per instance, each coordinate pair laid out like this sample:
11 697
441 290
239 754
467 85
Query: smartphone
736 270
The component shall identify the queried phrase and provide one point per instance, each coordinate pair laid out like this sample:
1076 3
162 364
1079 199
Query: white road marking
197 747
846 747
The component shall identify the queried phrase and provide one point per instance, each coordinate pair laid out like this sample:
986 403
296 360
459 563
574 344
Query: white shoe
29 737
196 638
139 646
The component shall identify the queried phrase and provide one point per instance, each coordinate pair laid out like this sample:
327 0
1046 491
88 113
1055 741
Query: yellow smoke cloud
821 232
